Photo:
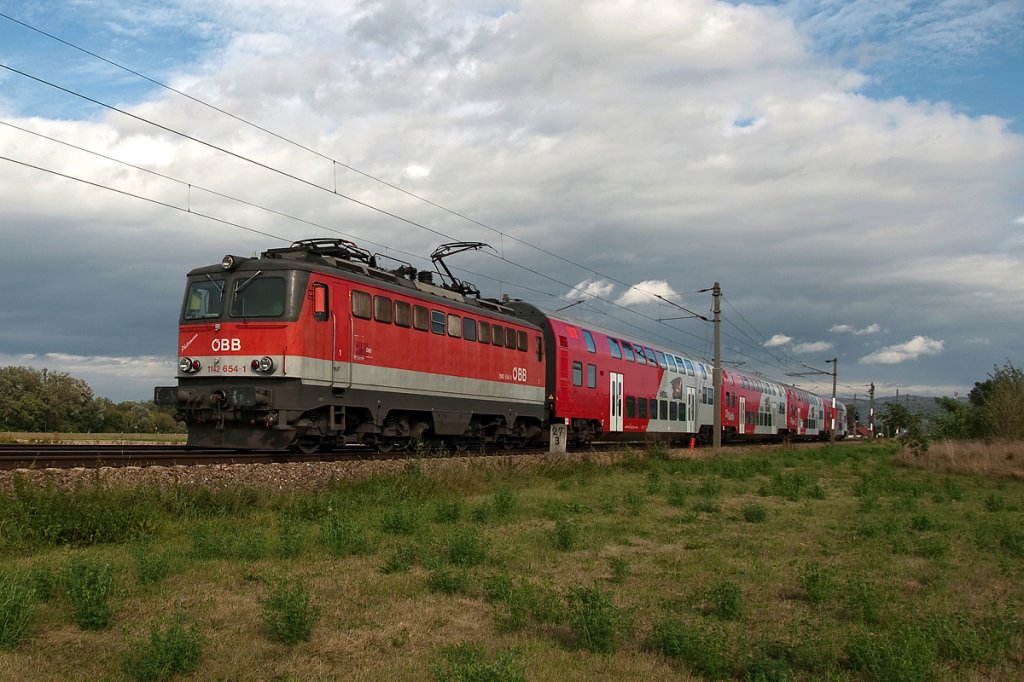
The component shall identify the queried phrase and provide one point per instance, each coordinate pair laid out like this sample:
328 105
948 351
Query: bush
170 651
726 600
599 625
288 612
702 649
818 582
17 607
89 585
755 513
465 662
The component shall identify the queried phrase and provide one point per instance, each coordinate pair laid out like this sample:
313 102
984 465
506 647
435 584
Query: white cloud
811 347
903 352
648 292
849 329
598 288
777 340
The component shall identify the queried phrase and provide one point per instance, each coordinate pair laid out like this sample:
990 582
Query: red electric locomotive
315 346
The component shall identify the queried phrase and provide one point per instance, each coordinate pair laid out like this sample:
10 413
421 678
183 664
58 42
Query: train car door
615 400
742 416
691 409
342 341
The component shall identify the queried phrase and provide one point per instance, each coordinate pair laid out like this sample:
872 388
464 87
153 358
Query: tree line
41 401
994 410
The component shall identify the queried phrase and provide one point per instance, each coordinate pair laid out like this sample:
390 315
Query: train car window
497 335
673 411
650 357
711 396
469 329
420 318
588 338
703 371
485 332
689 367
522 341
403 314
321 305
641 408
654 408
510 338
613 346
454 326
671 362
382 309
577 373
682 412
591 376
640 355
664 409
627 351
661 359
362 305
437 322
205 299
630 406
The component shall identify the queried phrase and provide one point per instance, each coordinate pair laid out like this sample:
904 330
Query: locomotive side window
403 314
591 376
497 335
361 305
382 309
205 299
437 322
577 373
588 338
540 347
522 341
454 326
258 297
627 350
420 318
510 338
469 329
485 332
613 346
320 302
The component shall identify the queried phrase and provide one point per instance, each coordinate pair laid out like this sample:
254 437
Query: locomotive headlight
264 365
188 365
228 262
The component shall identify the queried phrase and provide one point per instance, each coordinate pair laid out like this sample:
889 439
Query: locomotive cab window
258 297
205 299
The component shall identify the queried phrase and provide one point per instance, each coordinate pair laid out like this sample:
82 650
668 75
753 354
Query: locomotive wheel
307 445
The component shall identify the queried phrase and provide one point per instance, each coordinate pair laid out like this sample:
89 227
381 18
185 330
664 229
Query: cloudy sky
850 172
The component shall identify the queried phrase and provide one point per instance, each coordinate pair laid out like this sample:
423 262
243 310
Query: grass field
92 438
835 563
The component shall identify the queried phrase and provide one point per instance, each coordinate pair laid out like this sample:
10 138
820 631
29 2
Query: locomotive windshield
205 299
258 296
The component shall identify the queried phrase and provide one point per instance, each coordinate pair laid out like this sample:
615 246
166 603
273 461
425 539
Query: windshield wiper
219 283
239 287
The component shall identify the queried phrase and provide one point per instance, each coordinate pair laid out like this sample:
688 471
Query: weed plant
401 559
448 511
466 662
171 650
446 579
818 582
344 536
677 493
619 567
152 564
904 654
465 546
289 614
725 600
702 648
89 585
754 513
599 625
18 606
567 533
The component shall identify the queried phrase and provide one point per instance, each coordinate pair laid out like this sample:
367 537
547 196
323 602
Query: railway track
46 456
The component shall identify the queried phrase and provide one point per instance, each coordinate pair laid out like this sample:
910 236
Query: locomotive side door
615 406
341 337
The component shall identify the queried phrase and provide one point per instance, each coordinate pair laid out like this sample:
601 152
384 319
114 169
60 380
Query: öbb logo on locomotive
448 366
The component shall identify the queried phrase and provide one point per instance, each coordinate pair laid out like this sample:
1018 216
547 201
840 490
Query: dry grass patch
997 459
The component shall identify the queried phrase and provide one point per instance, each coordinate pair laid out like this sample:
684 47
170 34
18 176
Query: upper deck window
613 346
661 359
588 338
650 357
671 362
627 351
258 297
205 299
